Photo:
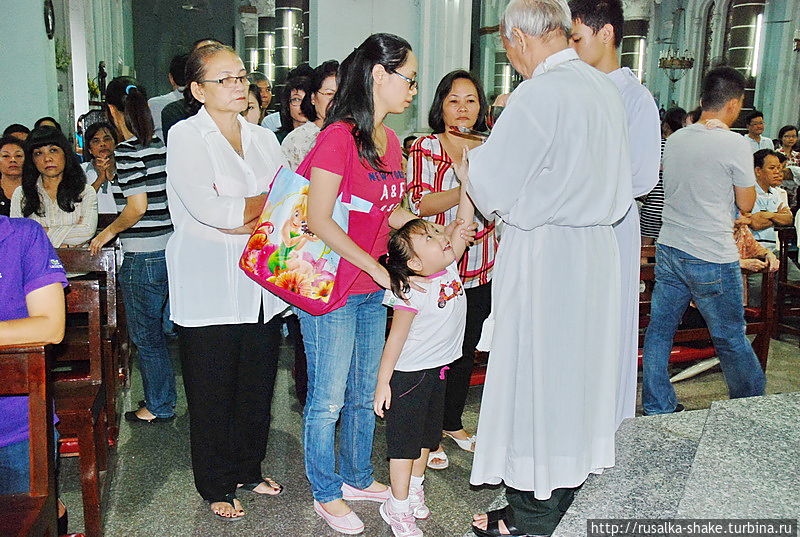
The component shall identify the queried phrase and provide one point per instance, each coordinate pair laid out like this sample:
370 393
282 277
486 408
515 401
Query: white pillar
79 66
444 46
637 9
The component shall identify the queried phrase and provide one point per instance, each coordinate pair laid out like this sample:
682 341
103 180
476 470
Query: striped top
144 169
653 204
431 170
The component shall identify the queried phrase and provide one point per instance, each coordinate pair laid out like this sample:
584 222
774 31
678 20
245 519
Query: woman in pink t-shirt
344 346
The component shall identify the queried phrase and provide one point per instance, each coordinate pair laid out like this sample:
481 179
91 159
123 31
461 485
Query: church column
290 43
777 92
634 36
444 47
743 46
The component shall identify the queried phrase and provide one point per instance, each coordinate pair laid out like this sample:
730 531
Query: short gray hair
536 17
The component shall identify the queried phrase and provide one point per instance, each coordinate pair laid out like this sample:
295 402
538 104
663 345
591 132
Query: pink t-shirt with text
334 151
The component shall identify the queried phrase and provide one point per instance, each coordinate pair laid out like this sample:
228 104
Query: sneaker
402 524
416 497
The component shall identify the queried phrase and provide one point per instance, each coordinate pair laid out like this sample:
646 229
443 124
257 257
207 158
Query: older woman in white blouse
218 166
54 190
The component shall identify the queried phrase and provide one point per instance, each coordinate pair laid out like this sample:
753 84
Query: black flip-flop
228 498
269 482
493 526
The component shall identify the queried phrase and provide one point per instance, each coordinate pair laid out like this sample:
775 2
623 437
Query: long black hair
400 252
353 102
130 98
72 184
436 116
321 72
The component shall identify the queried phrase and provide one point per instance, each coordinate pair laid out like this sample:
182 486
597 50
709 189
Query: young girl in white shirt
426 334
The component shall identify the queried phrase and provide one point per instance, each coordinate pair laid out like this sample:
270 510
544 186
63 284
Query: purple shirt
27 262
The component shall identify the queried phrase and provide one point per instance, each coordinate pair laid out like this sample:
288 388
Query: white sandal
440 455
467 444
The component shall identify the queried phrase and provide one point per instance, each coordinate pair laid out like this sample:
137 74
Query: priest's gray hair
536 17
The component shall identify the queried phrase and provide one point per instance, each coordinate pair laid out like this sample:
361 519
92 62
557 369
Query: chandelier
675 63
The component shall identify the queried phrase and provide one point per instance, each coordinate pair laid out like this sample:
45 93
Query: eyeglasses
229 81
412 83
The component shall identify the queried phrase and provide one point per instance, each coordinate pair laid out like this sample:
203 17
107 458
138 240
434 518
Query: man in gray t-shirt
708 174
701 168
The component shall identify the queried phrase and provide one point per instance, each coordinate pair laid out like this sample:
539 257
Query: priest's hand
383 398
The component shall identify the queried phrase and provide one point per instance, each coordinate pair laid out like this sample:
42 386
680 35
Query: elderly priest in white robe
556 170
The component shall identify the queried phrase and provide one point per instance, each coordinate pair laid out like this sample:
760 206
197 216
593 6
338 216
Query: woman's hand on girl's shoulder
383 398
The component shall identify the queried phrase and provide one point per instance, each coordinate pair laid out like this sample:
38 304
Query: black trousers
229 376
300 368
479 305
538 517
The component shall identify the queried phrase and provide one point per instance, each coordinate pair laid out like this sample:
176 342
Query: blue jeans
143 278
716 289
15 476
343 349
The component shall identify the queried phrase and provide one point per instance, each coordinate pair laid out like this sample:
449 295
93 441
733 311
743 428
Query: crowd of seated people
182 178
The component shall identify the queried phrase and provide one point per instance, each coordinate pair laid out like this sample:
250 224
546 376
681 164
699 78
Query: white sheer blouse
63 228
207 182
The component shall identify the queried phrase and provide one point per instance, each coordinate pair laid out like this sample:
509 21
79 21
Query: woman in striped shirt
433 193
143 226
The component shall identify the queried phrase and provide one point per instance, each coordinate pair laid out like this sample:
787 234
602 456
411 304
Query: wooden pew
788 292
760 321
23 370
115 347
81 403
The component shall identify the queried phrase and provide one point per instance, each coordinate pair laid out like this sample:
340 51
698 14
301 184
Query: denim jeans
343 350
15 477
716 289
143 278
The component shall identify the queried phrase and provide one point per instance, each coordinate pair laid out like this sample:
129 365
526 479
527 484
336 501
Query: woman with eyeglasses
218 165
314 107
355 149
291 112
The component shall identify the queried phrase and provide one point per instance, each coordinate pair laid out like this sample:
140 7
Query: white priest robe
644 133
556 170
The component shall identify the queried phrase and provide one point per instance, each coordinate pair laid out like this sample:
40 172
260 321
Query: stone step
654 461
748 462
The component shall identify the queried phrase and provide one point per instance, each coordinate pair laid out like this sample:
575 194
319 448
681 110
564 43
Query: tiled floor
152 494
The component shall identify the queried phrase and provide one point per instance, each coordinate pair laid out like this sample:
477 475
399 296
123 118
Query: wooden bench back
104 265
83 298
24 372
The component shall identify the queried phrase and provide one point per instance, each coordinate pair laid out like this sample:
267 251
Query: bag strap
344 187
